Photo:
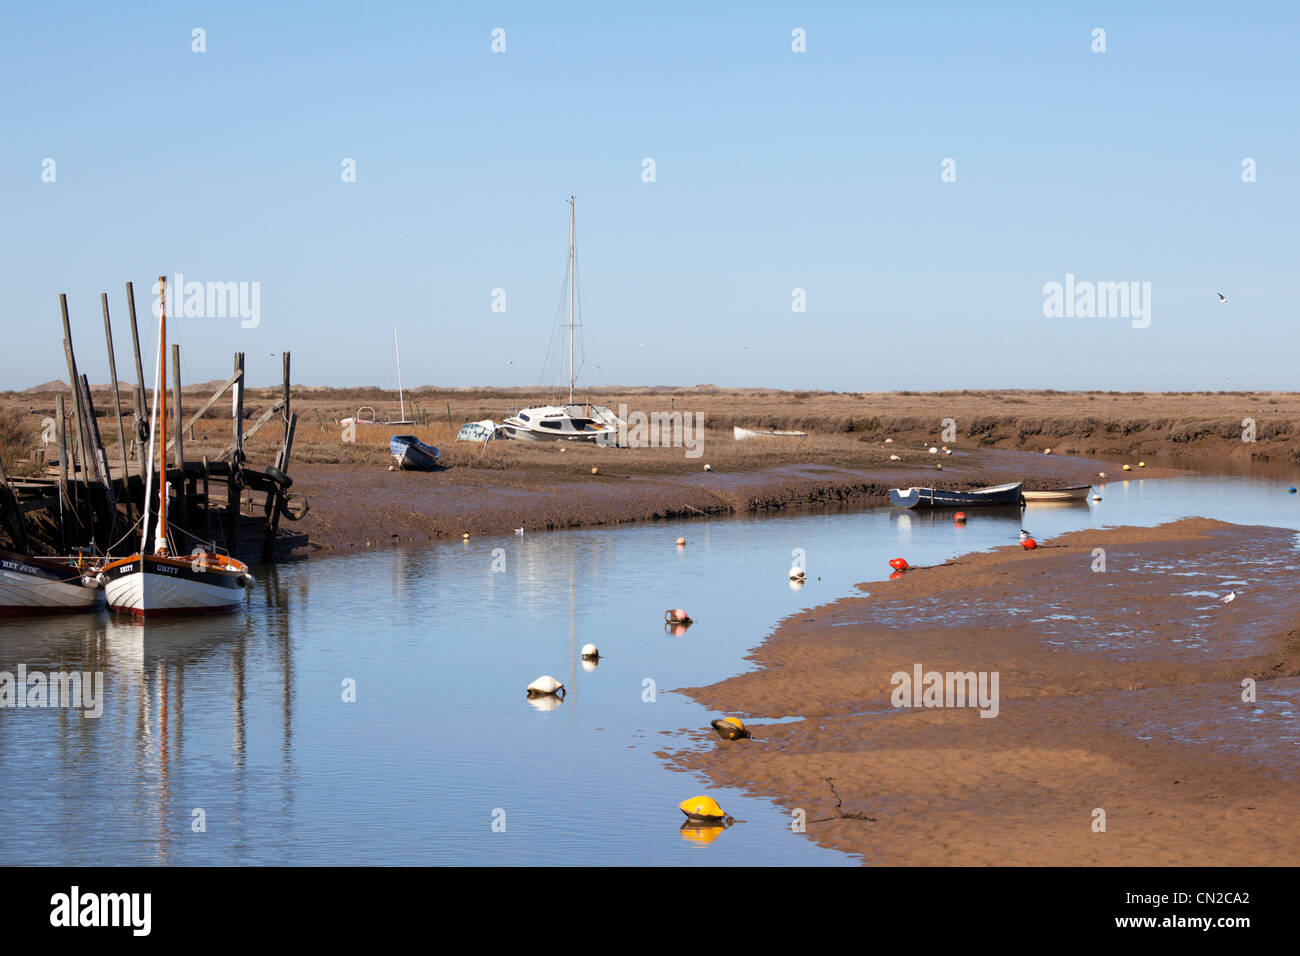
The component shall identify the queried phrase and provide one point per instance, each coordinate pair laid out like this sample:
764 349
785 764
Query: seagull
1222 297
1024 534
1232 596
519 531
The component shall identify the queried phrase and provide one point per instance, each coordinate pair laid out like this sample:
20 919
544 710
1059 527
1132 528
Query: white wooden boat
31 585
1072 493
159 581
742 434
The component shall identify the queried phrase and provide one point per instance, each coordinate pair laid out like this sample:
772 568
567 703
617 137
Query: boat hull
41 586
1075 493
153 586
741 434
1001 495
413 454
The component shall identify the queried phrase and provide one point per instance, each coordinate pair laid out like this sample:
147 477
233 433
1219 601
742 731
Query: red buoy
959 517
898 564
1029 544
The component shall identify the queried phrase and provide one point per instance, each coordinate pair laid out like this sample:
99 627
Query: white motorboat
158 581
572 421
562 423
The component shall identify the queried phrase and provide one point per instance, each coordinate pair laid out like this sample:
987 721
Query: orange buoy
896 575
898 564
1029 544
676 616
595 470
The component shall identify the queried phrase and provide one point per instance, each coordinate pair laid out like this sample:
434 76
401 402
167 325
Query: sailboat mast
160 397
572 281
153 419
400 398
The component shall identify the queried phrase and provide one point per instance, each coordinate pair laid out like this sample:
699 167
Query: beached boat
31 585
413 454
741 434
362 419
162 580
1073 493
572 421
1008 494
482 431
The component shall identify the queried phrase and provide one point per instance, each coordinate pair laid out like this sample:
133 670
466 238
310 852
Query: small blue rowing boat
413 454
1004 495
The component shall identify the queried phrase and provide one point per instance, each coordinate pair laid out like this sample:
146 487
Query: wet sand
1118 690
361 505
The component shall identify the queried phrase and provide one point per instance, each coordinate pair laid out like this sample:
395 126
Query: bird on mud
1228 598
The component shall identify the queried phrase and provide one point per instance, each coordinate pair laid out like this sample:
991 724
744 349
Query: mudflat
1120 734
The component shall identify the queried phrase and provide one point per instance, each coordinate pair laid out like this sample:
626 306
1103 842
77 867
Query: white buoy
797 573
894 458
933 450
707 468
589 652
545 686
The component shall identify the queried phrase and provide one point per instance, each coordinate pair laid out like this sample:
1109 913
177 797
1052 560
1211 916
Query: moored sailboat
32 585
156 581
571 421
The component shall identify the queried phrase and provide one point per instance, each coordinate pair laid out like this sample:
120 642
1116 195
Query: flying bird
1222 297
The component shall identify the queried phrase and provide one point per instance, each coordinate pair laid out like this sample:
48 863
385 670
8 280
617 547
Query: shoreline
1132 708
360 506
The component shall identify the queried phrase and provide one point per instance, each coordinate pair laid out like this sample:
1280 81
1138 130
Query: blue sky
775 170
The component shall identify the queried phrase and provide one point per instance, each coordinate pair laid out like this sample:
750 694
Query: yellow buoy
703 810
730 728
1128 467
1142 464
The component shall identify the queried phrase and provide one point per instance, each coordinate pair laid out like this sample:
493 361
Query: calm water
243 716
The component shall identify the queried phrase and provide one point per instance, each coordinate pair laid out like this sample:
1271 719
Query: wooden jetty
87 500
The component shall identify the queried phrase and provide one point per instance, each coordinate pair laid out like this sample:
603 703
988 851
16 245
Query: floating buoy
1142 464
681 542
589 652
797 573
1029 544
940 467
1096 497
933 450
707 468
1128 468
730 728
677 616
959 517
595 470
947 450
894 458
703 810
896 575
545 686
898 564
465 536
1291 490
